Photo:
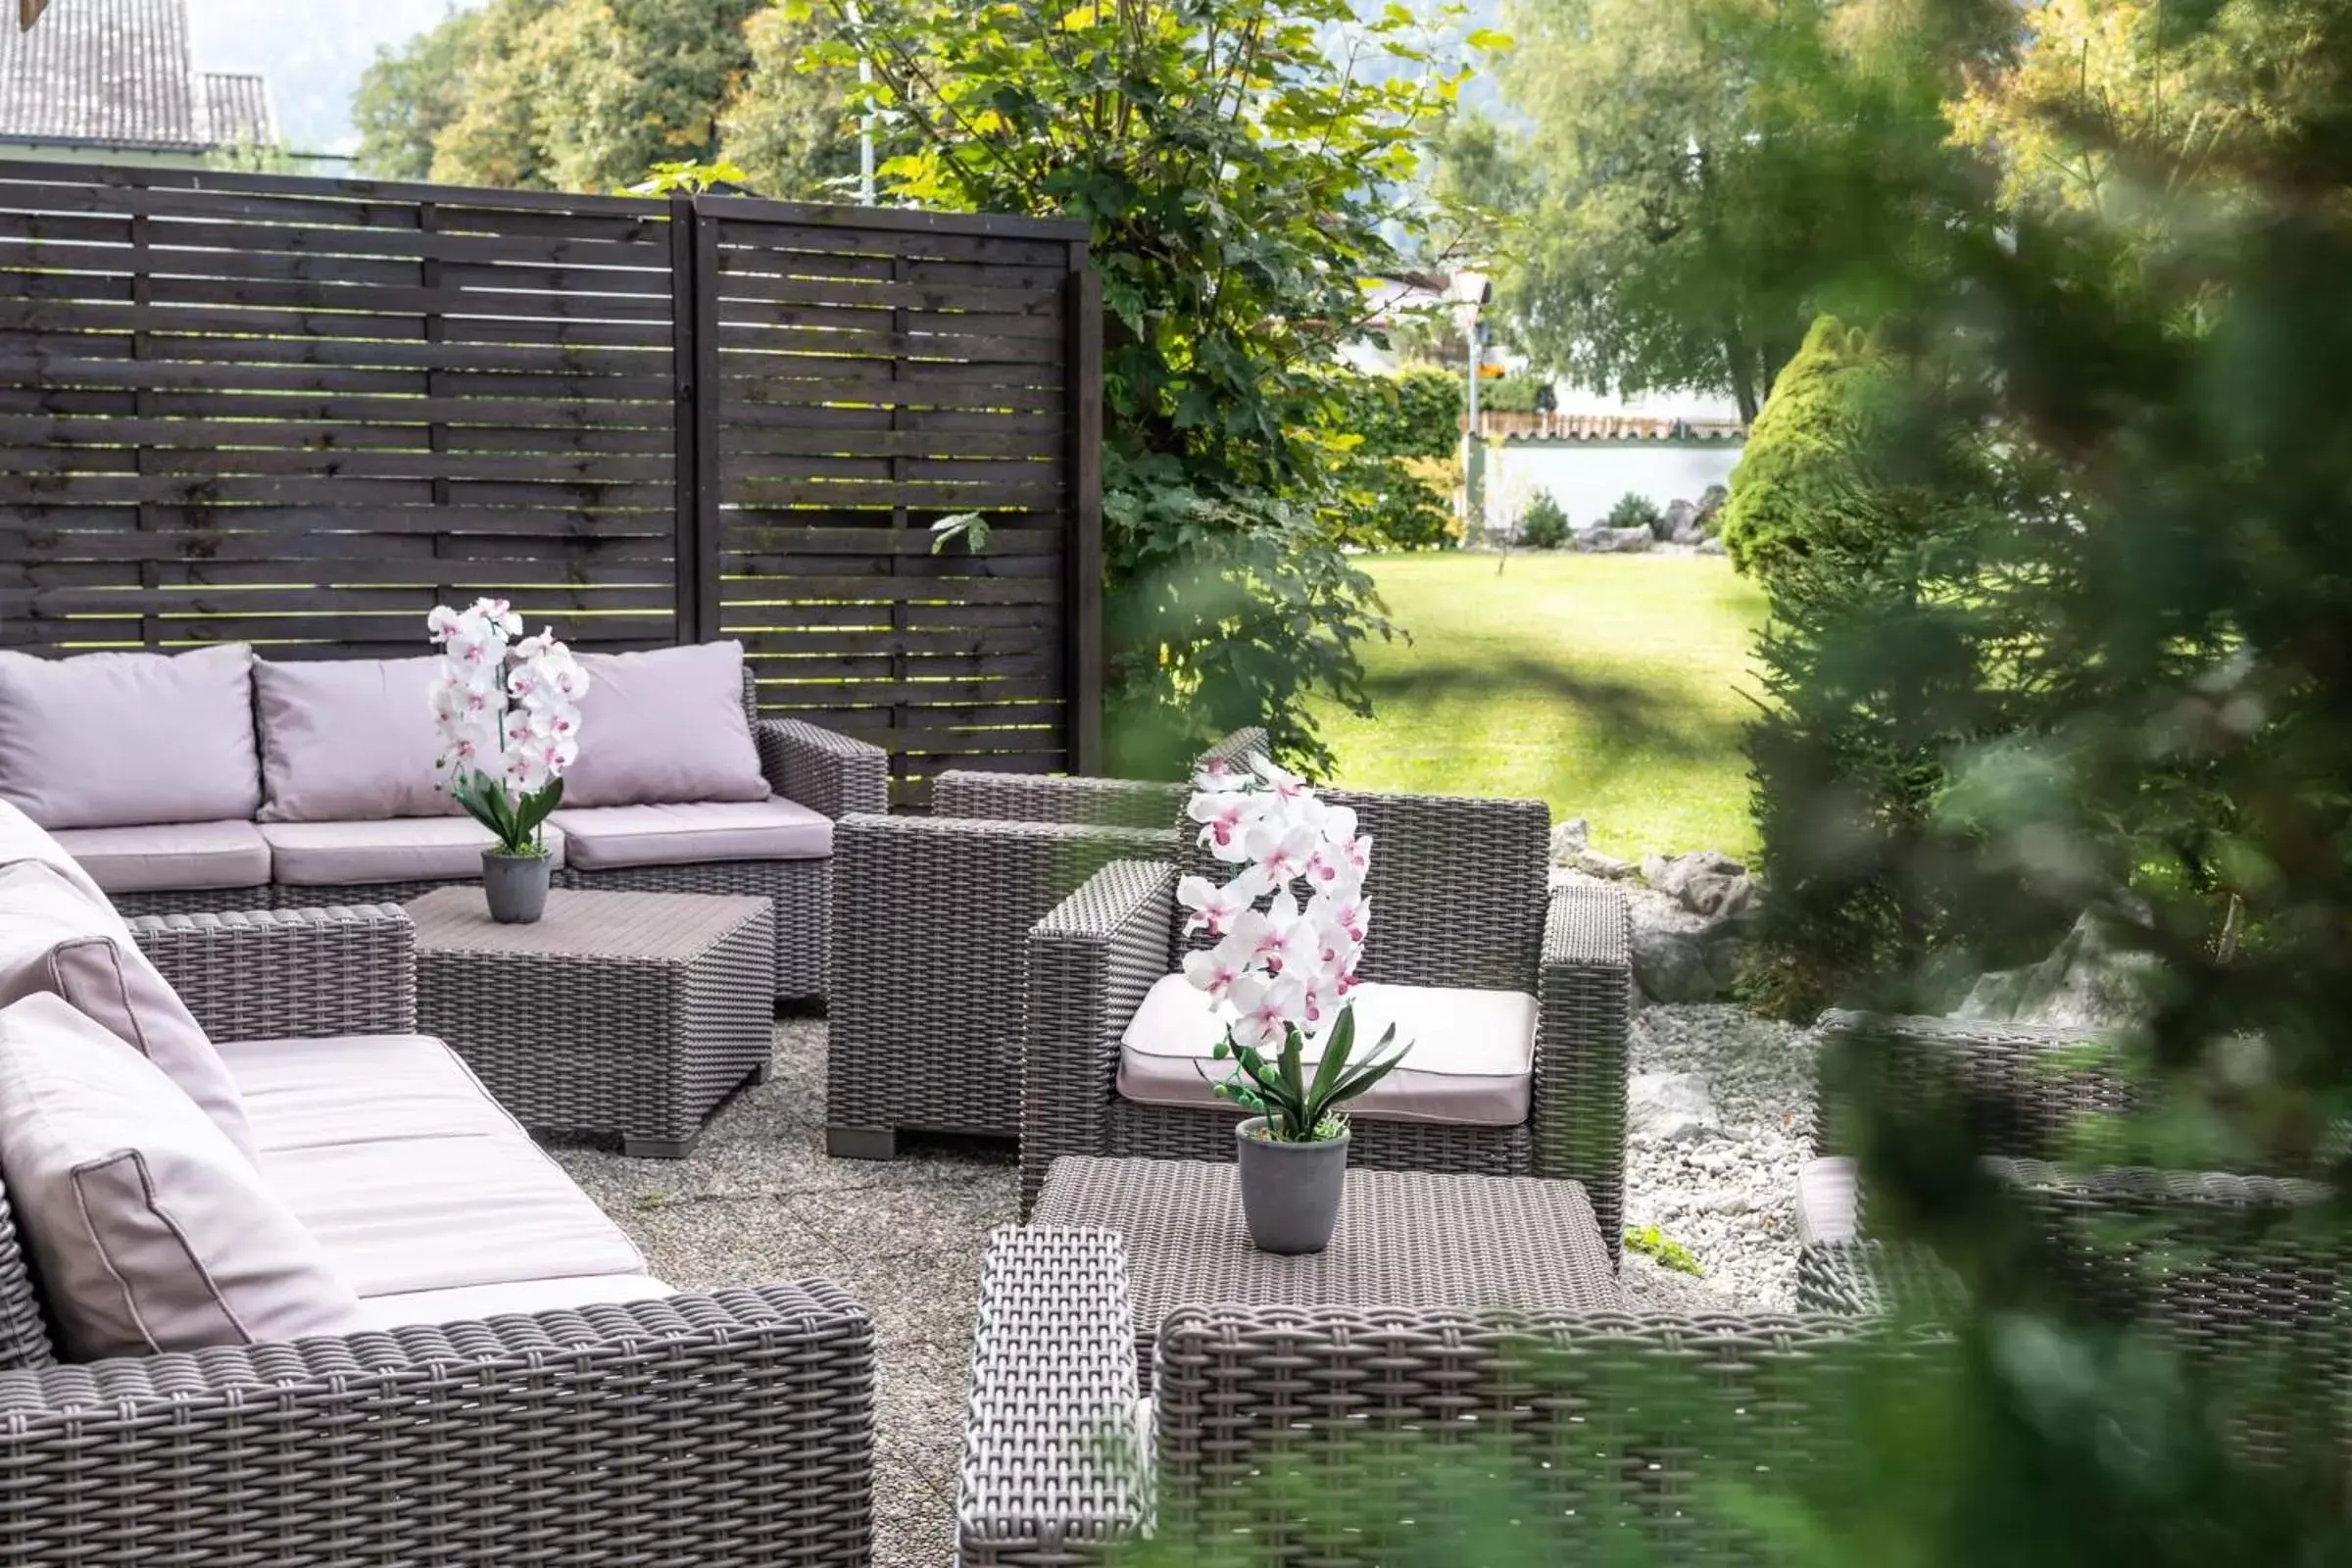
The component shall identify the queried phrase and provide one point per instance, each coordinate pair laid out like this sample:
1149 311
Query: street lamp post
1471 290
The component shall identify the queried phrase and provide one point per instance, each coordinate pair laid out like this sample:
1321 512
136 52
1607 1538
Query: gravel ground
1727 1195
760 1200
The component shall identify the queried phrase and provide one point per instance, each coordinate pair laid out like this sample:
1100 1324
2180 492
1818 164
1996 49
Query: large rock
1671 1108
1602 539
2084 983
1705 882
1670 965
1711 545
1570 847
1710 502
1682 523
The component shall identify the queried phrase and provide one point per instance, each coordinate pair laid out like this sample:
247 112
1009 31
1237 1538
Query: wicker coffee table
1405 1239
628 1014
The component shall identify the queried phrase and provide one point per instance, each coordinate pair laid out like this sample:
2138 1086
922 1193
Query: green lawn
1608 685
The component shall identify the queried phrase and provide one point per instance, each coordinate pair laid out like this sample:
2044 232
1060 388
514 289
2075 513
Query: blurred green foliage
1544 525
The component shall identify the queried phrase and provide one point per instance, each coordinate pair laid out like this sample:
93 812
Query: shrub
1863 510
1637 512
1544 525
1397 432
1509 394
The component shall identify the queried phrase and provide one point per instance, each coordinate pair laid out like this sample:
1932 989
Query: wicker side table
1405 1240
633 1013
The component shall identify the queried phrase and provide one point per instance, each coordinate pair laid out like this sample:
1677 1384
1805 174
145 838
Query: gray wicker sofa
2206 1262
1459 892
633 1426
160 864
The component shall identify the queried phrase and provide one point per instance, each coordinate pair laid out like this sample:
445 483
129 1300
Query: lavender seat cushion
80 738
410 1174
777 829
56 939
400 849
151 1231
23 839
347 739
170 856
665 728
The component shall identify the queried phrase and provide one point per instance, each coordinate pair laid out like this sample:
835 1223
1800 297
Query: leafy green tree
409 94
590 94
1239 177
1662 237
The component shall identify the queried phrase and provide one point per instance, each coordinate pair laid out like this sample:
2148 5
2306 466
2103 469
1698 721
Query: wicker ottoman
628 1014
1405 1239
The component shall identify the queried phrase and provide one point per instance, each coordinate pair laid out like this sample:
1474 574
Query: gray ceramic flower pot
1289 1192
514 886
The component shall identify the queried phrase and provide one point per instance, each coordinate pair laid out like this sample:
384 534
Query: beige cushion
475 1303
347 739
1828 1201
1471 1062
24 839
150 1230
664 725
714 830
55 939
82 739
412 1177
170 856
402 849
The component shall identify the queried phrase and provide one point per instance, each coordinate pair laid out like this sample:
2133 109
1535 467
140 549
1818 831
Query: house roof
118 72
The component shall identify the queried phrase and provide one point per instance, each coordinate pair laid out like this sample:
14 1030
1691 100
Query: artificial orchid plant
1280 970
508 709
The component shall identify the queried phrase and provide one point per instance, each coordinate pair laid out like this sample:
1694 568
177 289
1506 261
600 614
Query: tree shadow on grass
1639 717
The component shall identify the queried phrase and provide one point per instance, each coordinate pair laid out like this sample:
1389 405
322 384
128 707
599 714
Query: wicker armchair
929 916
1458 886
1622 1417
2210 1262
732 1427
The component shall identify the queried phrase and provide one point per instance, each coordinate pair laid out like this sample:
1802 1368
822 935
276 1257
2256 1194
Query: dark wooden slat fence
300 412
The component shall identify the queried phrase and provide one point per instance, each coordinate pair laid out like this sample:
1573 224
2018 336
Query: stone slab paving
760 1200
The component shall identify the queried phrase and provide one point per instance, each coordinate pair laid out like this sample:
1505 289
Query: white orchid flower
1281 851
1213 970
1218 776
1266 1009
1214 908
1225 822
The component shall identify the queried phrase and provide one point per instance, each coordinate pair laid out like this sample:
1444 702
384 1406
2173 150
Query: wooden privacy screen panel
304 415
300 412
870 383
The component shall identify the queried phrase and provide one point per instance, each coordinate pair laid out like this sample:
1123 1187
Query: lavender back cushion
347 739
153 1233
665 726
126 740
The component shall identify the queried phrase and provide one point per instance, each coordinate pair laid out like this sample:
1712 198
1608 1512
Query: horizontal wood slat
300 412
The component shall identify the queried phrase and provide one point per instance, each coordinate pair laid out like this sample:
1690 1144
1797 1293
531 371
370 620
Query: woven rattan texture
1053 1385
288 974
1404 1238
625 1014
925 998
1605 1410
800 892
211 900
726 1429
1095 955
2035 1076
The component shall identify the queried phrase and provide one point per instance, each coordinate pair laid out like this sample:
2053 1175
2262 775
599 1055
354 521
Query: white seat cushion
1828 1201
405 849
152 1230
171 855
1471 1064
475 1304
407 1172
774 829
